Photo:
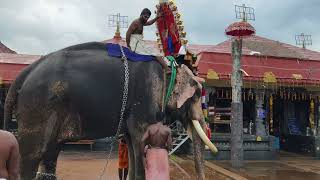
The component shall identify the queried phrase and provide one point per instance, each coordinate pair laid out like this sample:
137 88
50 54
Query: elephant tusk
203 136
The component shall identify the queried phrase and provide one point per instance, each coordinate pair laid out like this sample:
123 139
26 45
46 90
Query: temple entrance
291 126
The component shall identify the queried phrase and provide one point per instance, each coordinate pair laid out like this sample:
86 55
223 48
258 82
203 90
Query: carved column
260 127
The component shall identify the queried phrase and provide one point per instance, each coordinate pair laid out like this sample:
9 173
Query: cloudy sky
43 26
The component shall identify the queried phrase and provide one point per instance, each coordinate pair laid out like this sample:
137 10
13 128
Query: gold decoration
178 15
179 23
259 138
174 8
183 34
311 115
184 41
181 28
297 76
269 77
271 112
211 74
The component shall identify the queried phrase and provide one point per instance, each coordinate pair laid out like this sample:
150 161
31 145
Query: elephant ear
187 93
186 85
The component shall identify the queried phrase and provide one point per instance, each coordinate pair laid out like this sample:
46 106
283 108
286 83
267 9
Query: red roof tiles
267 47
260 55
5 49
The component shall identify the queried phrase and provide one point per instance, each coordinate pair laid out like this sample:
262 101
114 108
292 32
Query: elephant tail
12 95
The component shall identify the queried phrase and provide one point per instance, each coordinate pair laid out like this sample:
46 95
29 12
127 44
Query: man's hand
144 161
159 14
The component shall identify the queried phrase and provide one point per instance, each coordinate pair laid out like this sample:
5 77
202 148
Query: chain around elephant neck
123 107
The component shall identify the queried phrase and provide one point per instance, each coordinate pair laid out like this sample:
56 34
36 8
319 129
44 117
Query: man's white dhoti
139 46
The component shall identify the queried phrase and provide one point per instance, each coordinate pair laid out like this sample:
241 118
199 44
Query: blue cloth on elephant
114 50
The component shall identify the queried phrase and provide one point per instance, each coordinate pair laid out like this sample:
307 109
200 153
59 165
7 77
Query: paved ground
89 165
289 167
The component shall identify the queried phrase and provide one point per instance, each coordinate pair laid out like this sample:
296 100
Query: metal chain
46 174
123 106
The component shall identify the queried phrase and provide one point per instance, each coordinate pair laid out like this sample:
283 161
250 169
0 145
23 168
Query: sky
44 26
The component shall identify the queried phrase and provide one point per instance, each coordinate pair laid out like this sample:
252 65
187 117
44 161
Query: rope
123 107
164 87
172 79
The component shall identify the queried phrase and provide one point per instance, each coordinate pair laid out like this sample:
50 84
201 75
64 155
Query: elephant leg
131 160
139 168
30 155
198 149
34 142
47 168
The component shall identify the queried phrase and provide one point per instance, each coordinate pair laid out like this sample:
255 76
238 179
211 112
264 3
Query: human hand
159 14
144 161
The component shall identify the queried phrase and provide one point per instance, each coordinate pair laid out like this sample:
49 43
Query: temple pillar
260 114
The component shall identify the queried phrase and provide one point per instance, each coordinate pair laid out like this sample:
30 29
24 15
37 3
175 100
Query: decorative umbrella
240 29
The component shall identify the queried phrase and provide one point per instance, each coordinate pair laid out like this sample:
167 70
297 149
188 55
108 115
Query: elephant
76 93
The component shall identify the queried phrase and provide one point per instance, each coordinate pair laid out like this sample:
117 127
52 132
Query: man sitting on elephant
156 142
9 156
134 37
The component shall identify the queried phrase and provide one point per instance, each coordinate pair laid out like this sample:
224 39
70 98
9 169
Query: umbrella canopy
240 29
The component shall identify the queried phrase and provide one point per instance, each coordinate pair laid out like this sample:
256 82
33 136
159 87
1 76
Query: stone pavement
86 165
289 167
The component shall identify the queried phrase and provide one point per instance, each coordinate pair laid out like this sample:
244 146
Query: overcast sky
43 26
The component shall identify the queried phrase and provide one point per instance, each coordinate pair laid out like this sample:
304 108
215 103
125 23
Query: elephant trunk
200 138
198 149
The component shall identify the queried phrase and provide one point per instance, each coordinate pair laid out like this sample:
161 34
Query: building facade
280 93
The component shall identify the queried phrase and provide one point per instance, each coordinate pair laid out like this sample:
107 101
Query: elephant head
186 100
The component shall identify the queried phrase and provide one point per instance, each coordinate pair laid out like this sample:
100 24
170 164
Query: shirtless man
158 139
9 156
134 36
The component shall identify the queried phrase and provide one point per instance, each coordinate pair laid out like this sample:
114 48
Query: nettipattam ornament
170 29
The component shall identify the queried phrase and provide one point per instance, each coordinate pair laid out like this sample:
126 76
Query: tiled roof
18 58
284 69
267 47
5 49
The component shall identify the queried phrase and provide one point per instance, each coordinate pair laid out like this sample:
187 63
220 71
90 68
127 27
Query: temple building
281 89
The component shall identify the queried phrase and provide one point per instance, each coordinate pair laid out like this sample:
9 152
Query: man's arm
153 20
143 145
169 140
131 29
144 140
14 160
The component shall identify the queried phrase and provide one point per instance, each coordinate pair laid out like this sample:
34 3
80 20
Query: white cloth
183 50
139 46
3 179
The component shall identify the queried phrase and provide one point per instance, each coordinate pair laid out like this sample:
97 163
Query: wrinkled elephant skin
76 93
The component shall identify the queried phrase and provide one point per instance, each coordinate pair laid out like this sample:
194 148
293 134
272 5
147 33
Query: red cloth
123 155
203 92
157 166
208 132
167 27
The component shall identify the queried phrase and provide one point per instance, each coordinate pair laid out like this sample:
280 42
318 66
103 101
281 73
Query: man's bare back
157 135
9 156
